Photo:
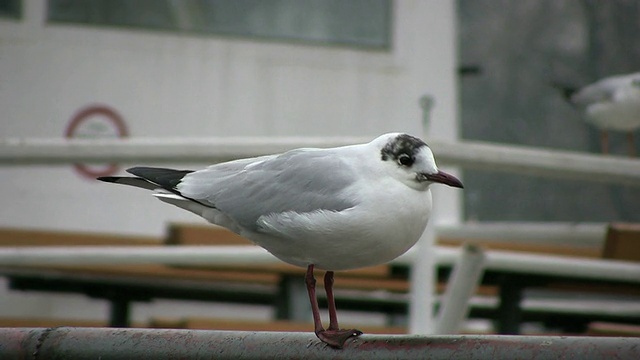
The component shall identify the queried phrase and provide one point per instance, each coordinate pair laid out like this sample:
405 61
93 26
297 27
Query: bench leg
119 313
509 314
292 302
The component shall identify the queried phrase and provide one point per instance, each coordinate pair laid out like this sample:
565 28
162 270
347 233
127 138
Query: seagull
332 209
612 103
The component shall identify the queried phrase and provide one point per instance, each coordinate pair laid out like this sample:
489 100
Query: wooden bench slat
623 242
31 322
247 277
193 234
613 329
167 272
22 237
256 325
574 251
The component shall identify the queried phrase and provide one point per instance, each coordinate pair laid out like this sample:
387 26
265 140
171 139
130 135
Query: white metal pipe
36 151
537 264
564 266
136 255
135 343
466 154
253 255
461 286
539 233
539 162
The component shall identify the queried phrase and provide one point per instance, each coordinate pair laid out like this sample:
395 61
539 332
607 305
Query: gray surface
104 343
521 47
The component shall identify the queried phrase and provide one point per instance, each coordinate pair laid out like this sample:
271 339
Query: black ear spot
405 160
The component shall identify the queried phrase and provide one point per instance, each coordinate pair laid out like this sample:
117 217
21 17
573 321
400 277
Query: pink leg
604 141
332 336
311 289
632 144
328 287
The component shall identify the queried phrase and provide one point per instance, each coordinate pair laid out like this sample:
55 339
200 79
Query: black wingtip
567 91
137 169
110 179
165 178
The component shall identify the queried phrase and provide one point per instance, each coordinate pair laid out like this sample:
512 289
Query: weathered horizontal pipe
502 261
136 255
48 151
539 162
466 154
538 233
110 343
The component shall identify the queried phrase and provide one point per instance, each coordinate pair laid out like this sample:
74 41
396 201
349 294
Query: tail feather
150 178
131 181
158 179
168 179
567 91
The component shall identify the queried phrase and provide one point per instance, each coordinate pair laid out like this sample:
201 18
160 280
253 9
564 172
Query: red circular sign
96 121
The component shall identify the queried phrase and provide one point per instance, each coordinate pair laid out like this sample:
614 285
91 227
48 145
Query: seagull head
411 161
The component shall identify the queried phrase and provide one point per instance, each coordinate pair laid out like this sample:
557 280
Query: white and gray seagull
611 103
334 209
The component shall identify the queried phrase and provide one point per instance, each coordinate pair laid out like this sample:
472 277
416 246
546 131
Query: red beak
444 178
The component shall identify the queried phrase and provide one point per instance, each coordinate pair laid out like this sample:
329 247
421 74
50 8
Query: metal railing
109 343
466 154
222 256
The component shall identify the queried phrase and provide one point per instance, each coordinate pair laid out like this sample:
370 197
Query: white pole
423 280
463 281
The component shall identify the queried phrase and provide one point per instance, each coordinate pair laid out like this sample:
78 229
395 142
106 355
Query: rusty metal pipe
110 343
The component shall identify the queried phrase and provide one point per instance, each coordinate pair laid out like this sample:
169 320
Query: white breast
379 229
621 113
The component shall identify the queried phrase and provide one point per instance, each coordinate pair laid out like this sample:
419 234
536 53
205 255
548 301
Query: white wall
170 85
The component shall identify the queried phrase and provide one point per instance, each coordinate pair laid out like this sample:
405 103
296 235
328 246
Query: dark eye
405 160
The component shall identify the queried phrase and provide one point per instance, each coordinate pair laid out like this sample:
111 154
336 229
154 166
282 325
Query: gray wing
598 92
603 90
300 180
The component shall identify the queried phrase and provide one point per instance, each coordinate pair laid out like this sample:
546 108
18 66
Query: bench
252 325
257 285
122 284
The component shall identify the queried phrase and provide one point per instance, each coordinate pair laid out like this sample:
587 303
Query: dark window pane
140 13
522 47
355 22
10 9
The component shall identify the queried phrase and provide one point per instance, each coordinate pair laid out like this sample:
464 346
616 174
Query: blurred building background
522 47
204 68
208 68
164 68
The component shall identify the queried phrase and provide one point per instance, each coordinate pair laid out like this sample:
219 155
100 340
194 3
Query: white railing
538 233
465 154
223 256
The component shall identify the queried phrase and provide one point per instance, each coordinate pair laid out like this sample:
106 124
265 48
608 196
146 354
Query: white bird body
336 209
362 234
612 103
